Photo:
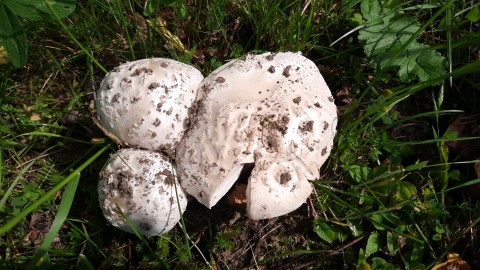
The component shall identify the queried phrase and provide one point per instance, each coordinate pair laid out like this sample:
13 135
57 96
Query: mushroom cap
273 110
145 103
140 184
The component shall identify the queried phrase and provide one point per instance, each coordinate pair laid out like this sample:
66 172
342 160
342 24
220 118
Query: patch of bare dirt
255 242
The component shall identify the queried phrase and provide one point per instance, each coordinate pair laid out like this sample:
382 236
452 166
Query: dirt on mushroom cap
268 109
145 103
140 185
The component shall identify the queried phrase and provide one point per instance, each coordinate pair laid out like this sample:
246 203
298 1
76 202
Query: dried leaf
3 55
344 95
35 117
238 196
160 25
454 262
463 126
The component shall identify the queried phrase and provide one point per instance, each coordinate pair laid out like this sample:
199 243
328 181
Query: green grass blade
85 234
473 67
14 183
1 170
449 23
54 135
430 141
125 25
73 38
61 216
463 185
48 195
162 263
63 210
182 221
85 262
359 214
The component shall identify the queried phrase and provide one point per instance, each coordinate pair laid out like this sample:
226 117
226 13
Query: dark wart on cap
139 99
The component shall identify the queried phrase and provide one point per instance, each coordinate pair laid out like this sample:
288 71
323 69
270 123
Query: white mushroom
145 103
140 184
273 110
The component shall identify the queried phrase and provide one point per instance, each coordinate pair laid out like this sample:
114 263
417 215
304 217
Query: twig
330 253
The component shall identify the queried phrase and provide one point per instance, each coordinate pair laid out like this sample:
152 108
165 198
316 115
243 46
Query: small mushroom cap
287 188
145 103
140 184
273 110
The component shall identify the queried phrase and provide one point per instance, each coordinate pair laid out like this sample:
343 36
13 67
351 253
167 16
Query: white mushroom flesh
274 110
140 185
145 103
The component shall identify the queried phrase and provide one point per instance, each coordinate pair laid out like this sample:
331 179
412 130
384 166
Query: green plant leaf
393 34
417 252
85 263
373 243
430 65
416 166
38 10
378 221
357 18
324 231
473 15
330 233
371 9
380 264
455 174
169 2
355 227
388 173
181 10
13 37
358 173
362 261
405 191
392 243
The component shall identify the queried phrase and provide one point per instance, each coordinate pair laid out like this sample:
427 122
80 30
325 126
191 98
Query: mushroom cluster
273 112
144 105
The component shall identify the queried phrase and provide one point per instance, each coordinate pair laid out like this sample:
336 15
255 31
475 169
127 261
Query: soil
253 240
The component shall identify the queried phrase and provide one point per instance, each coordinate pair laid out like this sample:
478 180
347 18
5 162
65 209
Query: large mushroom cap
145 103
273 110
140 184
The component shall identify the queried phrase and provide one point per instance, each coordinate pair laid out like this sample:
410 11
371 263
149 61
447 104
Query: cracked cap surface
274 110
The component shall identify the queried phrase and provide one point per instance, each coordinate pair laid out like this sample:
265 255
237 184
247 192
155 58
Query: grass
400 190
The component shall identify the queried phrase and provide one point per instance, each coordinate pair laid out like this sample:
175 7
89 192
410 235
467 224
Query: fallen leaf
344 95
35 117
238 196
463 126
160 25
454 262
